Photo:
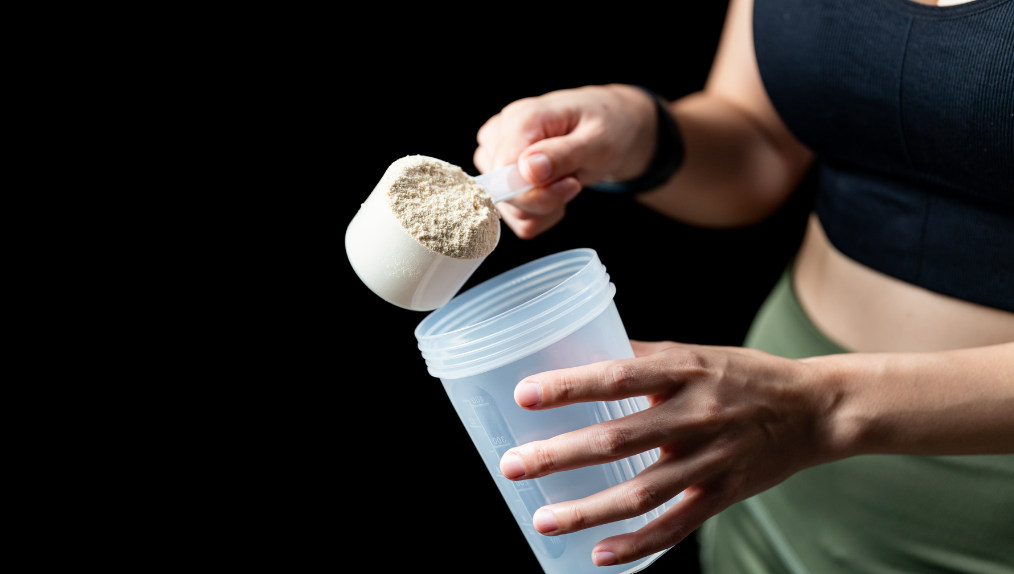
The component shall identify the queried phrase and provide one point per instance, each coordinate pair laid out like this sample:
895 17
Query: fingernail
544 521
527 394
604 558
511 466
539 167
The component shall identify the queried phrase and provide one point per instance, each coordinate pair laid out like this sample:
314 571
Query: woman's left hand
729 422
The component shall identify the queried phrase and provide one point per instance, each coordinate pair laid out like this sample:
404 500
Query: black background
418 85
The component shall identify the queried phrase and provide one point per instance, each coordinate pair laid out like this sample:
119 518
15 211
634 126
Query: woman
890 335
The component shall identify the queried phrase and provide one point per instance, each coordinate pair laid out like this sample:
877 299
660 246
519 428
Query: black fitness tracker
668 155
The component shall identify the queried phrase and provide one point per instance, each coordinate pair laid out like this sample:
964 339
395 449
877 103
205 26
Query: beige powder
441 206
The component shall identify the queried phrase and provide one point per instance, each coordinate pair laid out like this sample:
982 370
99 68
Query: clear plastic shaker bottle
552 313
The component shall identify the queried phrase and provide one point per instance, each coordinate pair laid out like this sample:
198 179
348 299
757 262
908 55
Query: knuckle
639 548
543 459
512 107
711 410
524 228
539 205
611 441
518 108
596 131
532 123
563 389
485 133
675 533
689 359
734 488
641 497
577 518
620 376
517 211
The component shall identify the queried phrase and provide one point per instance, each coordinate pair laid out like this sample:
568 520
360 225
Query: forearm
733 174
944 403
741 161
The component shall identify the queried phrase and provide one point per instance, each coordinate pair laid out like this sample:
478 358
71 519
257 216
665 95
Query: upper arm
741 163
735 79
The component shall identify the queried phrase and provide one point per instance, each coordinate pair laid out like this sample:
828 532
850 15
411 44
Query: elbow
768 179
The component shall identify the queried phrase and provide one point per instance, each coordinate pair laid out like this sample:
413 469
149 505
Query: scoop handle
504 183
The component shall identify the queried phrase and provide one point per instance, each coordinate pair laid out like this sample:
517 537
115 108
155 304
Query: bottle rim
514 314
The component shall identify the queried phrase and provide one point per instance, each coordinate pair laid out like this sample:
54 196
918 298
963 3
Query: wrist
643 115
845 428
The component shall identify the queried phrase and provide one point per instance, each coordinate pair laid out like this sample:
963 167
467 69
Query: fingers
502 139
527 225
546 200
486 137
482 159
552 158
489 130
605 381
648 490
560 141
666 531
597 444
523 123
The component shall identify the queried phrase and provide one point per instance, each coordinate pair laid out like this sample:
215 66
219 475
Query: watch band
668 155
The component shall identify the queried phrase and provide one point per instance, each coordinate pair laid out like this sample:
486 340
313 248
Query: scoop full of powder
441 206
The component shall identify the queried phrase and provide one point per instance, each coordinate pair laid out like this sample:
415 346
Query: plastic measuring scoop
504 183
404 272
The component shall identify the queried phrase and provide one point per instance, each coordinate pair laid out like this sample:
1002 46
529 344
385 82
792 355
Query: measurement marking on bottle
523 485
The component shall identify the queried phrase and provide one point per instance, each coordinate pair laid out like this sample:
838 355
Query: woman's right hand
565 140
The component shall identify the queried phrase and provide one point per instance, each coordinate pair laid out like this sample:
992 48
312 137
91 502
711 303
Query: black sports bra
910 109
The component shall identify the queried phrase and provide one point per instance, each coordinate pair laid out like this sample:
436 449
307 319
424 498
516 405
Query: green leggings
876 514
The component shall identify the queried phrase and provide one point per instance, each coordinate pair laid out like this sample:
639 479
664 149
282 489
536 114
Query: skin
731 423
932 375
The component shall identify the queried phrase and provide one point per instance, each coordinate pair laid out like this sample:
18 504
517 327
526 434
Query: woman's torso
867 311
916 195
910 110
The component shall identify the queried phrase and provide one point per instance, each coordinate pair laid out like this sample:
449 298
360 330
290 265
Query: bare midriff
866 311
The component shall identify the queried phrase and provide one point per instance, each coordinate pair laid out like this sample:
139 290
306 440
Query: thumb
551 159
